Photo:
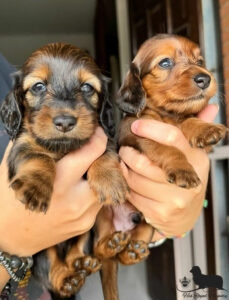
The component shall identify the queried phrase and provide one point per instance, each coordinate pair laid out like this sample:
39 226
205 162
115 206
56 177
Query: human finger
160 132
209 113
74 165
141 164
158 190
169 219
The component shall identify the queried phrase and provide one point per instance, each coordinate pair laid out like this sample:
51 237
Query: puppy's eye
166 63
38 87
200 62
86 88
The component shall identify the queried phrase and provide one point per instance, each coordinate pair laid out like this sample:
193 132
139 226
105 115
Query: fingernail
216 105
124 168
122 152
148 221
99 131
125 150
134 126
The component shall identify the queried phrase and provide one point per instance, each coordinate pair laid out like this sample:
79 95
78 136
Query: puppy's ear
131 96
106 117
11 109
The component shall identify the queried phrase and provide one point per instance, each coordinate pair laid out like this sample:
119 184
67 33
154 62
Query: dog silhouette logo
206 281
203 281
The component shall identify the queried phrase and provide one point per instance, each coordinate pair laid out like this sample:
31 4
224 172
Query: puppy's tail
109 278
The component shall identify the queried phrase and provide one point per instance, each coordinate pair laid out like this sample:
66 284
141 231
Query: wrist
12 242
163 235
4 277
10 248
15 266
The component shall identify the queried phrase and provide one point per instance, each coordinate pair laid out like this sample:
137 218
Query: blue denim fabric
5 85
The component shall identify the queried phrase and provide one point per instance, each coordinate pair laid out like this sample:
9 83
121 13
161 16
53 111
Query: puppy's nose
64 123
202 80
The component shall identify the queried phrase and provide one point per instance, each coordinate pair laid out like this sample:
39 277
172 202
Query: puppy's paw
33 191
112 245
87 264
185 178
209 135
135 252
110 188
71 284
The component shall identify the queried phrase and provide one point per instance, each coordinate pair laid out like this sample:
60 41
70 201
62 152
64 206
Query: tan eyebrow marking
196 52
87 77
40 74
94 99
156 60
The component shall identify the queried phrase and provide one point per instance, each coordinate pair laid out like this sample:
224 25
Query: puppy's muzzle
64 123
202 80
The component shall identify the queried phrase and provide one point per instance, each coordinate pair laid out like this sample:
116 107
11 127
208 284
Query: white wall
122 12
16 48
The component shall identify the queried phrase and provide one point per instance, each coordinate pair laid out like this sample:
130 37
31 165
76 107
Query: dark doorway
150 17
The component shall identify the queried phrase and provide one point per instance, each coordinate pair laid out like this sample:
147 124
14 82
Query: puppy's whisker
220 84
221 97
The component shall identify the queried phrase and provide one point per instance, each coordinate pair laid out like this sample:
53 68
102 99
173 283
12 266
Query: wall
224 20
123 36
16 48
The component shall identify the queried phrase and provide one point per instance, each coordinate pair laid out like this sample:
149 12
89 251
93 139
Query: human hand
167 207
72 210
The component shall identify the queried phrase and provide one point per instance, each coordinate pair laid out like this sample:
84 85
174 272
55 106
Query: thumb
209 113
74 165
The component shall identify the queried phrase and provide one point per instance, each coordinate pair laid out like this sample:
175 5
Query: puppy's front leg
201 134
106 179
31 176
176 166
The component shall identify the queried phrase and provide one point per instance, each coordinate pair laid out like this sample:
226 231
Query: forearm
4 277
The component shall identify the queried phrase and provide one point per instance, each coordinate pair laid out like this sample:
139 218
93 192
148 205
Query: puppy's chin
61 145
186 106
199 97
194 105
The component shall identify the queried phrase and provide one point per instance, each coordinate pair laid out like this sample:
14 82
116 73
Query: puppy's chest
172 119
27 142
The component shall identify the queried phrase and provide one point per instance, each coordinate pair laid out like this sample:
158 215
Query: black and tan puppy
59 99
54 108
